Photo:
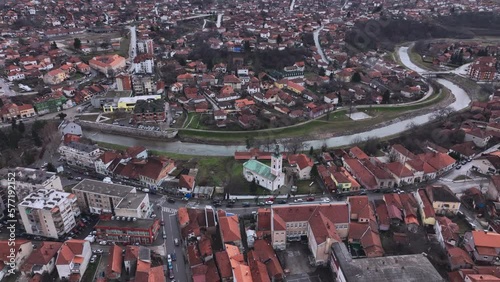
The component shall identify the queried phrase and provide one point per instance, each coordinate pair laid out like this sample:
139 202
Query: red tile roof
41 256
186 181
357 153
230 228
224 265
70 250
427 206
382 213
115 262
301 160
264 252
398 169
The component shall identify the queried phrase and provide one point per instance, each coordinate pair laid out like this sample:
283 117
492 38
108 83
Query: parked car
458 167
169 258
164 236
171 275
162 223
298 200
174 256
282 202
103 243
269 202
310 199
261 204
245 204
176 242
171 200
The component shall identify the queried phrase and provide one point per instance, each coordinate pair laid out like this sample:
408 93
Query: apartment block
49 213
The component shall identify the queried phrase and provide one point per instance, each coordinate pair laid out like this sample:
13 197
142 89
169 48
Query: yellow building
128 103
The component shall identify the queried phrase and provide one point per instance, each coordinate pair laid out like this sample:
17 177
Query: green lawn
303 187
89 274
124 45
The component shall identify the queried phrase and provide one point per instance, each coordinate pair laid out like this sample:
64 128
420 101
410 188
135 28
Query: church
268 177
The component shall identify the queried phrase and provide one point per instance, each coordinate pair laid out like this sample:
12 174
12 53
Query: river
462 100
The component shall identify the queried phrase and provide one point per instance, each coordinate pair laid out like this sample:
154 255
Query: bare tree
392 156
294 145
357 141
442 114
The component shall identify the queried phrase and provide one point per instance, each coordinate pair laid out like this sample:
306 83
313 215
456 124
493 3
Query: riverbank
387 129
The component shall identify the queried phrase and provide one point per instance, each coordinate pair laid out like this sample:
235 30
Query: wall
126 131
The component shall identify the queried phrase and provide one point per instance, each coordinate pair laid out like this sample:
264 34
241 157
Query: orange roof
230 228
486 239
115 262
70 251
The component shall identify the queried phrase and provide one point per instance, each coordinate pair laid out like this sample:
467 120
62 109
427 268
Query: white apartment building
79 154
98 197
29 180
49 213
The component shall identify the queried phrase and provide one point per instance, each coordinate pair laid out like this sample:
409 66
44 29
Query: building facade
49 213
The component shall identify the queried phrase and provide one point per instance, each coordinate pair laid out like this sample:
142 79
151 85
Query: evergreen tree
21 127
311 151
279 40
77 43
53 45
356 77
386 97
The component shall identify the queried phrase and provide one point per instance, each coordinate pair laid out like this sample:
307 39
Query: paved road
316 42
6 88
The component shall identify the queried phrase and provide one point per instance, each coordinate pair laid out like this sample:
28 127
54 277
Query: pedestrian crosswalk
169 210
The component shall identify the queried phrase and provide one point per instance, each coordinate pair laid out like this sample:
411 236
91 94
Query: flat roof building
381 269
121 200
49 213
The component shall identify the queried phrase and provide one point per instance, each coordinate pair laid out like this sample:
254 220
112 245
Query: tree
386 97
356 77
293 145
311 151
250 142
393 156
21 127
53 45
322 72
371 146
51 167
62 116
13 139
247 47
279 40
13 124
77 43
253 187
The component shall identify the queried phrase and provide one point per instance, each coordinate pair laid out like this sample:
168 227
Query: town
249 141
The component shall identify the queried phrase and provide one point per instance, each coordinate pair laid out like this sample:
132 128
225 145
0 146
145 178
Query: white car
103 243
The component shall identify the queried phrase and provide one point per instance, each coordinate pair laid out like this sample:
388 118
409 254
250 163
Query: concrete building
29 180
79 154
405 268
49 213
322 224
128 230
98 197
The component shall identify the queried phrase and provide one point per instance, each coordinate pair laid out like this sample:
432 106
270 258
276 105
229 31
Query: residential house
13 253
494 188
458 258
483 246
426 209
447 232
79 154
233 81
108 64
42 260
115 262
400 172
401 154
486 164
229 226
443 200
73 259
479 136
301 165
